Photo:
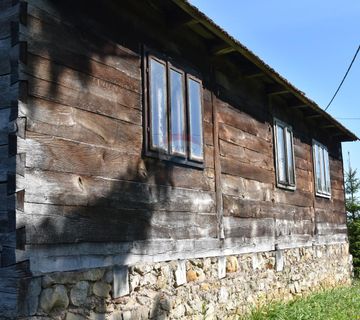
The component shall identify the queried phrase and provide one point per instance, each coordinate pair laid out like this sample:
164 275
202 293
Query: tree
352 187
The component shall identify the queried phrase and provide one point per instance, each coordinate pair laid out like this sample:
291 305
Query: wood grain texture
245 208
244 139
246 170
57 74
73 189
240 120
71 123
46 224
10 278
84 100
48 153
42 28
245 155
248 228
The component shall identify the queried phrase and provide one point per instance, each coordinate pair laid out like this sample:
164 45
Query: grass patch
336 304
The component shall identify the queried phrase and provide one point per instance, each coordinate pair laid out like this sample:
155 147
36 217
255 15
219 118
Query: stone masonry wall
209 288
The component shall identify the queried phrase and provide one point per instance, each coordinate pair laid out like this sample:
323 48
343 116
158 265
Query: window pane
317 167
290 159
327 171
196 139
159 135
322 169
177 103
281 160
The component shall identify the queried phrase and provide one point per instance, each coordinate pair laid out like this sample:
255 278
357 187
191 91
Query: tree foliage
352 187
354 240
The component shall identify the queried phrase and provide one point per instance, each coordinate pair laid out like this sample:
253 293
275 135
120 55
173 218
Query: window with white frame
175 128
321 170
284 155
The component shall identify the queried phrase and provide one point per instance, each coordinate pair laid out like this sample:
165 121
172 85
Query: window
322 170
174 113
284 155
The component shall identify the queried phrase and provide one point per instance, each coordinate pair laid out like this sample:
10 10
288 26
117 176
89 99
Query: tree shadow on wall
89 195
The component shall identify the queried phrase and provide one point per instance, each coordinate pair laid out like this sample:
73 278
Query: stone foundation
208 288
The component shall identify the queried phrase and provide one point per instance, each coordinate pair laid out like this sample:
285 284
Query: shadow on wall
79 192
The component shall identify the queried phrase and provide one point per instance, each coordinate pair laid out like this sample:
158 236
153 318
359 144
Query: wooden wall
11 163
86 179
83 182
254 206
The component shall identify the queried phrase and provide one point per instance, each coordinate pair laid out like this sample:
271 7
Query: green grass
336 304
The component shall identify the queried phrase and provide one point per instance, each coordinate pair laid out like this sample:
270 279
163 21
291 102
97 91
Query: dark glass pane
290 158
317 167
159 138
195 120
327 172
322 169
281 160
177 105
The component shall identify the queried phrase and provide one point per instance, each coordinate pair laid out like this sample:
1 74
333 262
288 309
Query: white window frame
288 129
318 190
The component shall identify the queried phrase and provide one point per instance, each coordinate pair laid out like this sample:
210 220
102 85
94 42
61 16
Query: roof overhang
231 45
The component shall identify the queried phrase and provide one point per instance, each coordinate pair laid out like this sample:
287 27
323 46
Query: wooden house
140 131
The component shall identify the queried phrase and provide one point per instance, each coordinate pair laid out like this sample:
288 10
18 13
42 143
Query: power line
342 81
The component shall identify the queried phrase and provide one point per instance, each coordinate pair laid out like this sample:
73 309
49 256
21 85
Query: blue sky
310 43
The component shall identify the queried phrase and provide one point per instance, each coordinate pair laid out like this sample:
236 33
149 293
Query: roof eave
196 14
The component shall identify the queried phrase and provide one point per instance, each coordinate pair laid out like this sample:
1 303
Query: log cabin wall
86 179
12 162
90 192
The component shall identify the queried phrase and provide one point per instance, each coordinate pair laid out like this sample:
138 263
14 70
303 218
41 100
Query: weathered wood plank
330 216
245 139
245 155
41 61
72 189
248 228
56 154
8 14
5 45
330 228
240 120
10 287
246 170
51 153
208 133
43 28
85 100
244 208
287 227
303 164
329 204
302 150
246 189
207 107
67 122
304 180
56 74
46 224
7 93
217 167
297 198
